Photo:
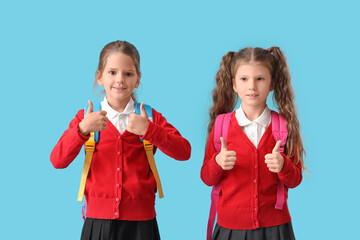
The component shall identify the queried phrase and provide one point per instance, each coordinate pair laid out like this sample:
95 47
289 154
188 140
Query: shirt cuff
287 165
214 168
149 131
81 135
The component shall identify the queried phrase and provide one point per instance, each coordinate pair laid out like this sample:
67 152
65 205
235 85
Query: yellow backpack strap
89 150
150 156
149 148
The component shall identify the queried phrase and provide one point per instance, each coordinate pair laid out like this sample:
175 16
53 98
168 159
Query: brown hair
118 47
225 98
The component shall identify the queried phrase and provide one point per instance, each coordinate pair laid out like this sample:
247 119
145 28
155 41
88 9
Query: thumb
143 111
223 144
90 108
277 147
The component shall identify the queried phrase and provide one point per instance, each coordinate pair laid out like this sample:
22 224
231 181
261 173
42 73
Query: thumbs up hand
93 121
225 159
274 160
137 124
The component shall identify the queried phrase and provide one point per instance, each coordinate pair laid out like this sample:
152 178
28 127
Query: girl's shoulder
156 115
159 118
80 114
223 121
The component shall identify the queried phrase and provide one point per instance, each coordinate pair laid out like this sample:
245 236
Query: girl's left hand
137 124
274 160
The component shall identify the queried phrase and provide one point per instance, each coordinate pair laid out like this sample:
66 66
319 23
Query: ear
138 81
99 78
272 85
234 84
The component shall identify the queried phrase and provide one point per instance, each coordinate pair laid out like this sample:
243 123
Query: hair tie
269 49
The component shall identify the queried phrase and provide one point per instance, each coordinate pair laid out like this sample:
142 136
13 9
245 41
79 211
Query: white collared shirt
119 120
253 129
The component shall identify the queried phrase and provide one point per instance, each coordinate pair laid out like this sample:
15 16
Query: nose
119 79
252 84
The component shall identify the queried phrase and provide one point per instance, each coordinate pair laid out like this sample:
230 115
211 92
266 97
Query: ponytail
224 97
284 98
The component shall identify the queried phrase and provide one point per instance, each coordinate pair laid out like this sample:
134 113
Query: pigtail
284 98
224 97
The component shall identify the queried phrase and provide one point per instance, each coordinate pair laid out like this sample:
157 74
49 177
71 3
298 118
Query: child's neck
118 106
253 112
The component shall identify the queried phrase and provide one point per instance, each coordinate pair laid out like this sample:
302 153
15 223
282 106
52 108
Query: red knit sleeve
165 137
211 172
290 174
69 145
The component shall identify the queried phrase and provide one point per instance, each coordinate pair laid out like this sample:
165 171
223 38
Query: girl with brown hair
249 163
120 187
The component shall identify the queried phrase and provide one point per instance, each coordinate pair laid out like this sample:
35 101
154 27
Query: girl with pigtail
250 165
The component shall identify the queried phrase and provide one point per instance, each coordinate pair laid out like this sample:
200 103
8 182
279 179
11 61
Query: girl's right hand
225 159
93 121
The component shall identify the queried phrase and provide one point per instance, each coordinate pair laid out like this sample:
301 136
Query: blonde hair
118 47
225 98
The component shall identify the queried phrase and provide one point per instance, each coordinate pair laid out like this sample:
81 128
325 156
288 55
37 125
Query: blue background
49 53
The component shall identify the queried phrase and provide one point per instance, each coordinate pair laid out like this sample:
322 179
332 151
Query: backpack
90 148
221 125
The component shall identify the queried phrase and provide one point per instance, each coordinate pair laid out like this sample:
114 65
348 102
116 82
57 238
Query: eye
243 79
260 78
128 74
112 72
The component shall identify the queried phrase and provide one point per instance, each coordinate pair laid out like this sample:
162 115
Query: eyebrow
255 76
126 70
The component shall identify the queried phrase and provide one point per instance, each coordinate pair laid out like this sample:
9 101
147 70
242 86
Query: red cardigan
120 184
248 191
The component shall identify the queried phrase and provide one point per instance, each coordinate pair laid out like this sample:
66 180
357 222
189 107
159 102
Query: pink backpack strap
83 210
279 132
221 125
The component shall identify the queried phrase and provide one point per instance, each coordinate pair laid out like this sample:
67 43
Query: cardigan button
118 153
117 200
118 169
256 166
255 181
116 214
119 137
118 185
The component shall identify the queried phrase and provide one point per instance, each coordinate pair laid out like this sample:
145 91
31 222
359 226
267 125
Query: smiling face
119 78
252 83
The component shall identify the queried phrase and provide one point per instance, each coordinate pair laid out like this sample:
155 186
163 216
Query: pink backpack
222 123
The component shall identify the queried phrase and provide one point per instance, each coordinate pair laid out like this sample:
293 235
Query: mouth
119 89
253 95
